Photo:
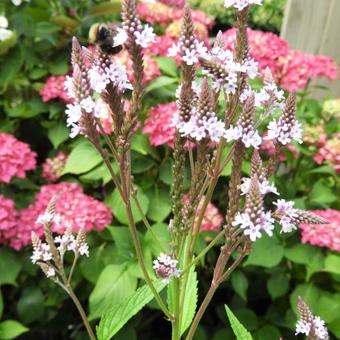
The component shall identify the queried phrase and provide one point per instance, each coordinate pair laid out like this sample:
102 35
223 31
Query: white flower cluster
264 223
115 74
288 215
189 55
225 58
316 325
284 131
241 4
145 37
69 242
41 253
199 128
249 137
264 185
165 267
18 2
269 97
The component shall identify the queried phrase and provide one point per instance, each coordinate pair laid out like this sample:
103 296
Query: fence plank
312 26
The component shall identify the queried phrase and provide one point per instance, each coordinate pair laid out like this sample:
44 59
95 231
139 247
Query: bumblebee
108 37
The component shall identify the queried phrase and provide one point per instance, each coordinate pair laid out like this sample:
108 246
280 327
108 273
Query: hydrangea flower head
16 158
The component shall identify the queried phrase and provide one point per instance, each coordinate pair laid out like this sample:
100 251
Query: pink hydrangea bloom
329 152
151 70
8 219
298 68
174 3
161 46
265 47
53 167
155 13
15 158
291 69
212 219
323 235
54 89
158 124
72 206
268 147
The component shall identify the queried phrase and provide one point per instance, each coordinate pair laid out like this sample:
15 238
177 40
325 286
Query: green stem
140 257
176 323
81 312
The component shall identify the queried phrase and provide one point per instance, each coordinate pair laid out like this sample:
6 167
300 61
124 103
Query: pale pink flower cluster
54 89
323 235
212 219
241 4
16 158
158 124
315 326
288 215
254 229
166 267
329 152
264 185
291 69
209 127
74 209
174 3
8 219
53 167
246 134
225 58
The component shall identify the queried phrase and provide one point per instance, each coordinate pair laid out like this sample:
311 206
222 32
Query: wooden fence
313 26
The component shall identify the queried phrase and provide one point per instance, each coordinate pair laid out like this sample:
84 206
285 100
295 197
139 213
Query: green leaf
167 66
117 205
30 306
161 231
27 109
10 266
300 253
322 195
59 67
141 144
332 264
190 301
57 134
120 314
309 293
277 285
160 82
13 63
239 282
82 158
123 243
115 283
268 332
240 332
92 266
267 252
10 329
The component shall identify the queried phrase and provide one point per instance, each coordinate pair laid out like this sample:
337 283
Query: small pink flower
53 167
54 89
16 158
323 235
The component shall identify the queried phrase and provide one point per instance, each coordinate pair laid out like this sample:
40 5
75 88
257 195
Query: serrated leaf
121 313
114 284
190 301
240 332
